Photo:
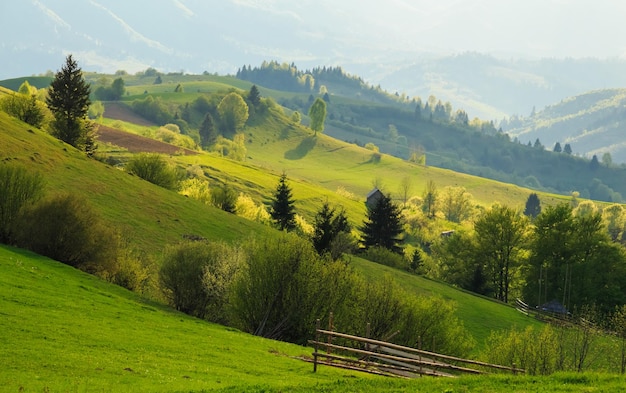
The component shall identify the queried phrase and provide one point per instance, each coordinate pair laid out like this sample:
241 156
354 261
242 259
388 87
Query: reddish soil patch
117 111
137 143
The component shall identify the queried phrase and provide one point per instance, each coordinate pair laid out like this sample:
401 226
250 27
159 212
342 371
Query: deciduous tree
500 239
233 112
317 113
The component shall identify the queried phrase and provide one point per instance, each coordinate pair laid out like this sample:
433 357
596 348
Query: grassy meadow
63 330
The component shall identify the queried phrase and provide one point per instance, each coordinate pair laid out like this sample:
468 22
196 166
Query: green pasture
64 330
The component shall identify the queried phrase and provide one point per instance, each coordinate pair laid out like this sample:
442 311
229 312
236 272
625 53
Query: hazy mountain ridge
196 36
593 123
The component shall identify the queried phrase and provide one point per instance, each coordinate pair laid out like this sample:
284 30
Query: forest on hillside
407 127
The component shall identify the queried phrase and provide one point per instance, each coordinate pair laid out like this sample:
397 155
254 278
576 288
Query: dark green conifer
283 211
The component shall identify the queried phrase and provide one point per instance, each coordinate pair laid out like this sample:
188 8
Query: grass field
63 330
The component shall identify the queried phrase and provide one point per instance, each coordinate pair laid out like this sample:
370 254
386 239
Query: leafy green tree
207 131
25 107
19 188
456 204
607 160
112 93
500 240
383 225
573 260
68 99
153 168
327 226
533 206
282 211
614 218
233 112
296 117
317 113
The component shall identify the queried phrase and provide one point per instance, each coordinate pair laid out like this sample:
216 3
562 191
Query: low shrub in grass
410 320
196 277
65 228
153 168
19 188
385 257
284 287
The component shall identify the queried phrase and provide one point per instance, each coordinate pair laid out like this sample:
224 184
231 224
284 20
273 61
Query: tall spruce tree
254 97
383 225
207 131
533 206
328 225
68 99
283 211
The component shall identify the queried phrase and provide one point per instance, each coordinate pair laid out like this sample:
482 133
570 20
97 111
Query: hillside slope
63 330
592 123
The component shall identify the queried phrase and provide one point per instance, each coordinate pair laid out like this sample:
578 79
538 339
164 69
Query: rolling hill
592 123
125 337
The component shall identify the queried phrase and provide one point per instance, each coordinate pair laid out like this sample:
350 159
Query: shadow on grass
302 149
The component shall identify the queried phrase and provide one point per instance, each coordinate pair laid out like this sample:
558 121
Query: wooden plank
426 353
413 361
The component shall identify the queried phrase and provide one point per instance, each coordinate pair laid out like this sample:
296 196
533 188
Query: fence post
317 337
330 336
514 369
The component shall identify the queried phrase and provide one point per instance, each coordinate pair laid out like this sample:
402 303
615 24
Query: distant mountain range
221 36
593 123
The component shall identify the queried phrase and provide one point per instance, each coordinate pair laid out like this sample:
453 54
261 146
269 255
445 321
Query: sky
540 28
220 35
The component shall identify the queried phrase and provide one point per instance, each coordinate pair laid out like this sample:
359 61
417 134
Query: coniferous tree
557 148
283 211
383 225
328 225
68 99
533 206
567 149
254 97
207 131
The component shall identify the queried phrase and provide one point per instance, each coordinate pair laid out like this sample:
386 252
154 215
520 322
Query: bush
19 188
284 287
153 168
65 228
385 257
196 277
224 198
197 189
134 273
246 208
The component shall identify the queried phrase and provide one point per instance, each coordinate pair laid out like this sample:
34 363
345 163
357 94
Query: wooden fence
384 358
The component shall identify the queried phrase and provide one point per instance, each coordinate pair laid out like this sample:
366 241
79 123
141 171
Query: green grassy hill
64 330
591 123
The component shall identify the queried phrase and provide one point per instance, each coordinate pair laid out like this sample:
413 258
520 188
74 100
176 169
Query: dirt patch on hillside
137 143
117 111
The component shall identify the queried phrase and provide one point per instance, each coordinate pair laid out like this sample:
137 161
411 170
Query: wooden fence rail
380 357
